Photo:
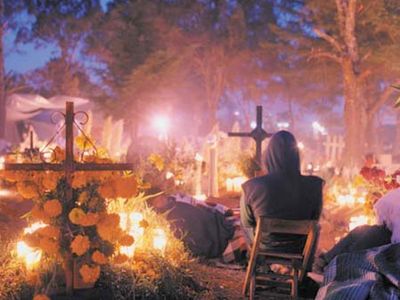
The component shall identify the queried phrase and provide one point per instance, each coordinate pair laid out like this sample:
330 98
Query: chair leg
252 290
295 282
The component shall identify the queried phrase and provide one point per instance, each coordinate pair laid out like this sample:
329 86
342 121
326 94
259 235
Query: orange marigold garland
80 245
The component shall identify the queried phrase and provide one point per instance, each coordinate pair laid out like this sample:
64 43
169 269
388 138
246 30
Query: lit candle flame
30 255
35 226
159 240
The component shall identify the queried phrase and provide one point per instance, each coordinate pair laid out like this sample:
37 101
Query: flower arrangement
82 228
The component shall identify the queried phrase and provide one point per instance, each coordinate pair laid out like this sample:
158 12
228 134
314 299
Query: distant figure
283 193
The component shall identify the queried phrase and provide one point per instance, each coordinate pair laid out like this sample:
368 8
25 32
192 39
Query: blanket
369 274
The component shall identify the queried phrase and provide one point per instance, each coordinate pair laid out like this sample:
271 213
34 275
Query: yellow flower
99 258
80 245
41 297
120 259
52 208
88 274
76 216
126 240
157 161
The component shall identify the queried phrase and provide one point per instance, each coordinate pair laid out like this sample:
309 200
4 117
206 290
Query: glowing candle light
2 161
30 255
159 240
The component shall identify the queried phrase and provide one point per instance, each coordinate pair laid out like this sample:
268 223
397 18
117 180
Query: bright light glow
300 145
319 128
200 197
35 226
169 175
30 255
123 221
135 229
159 240
236 113
5 193
283 125
135 218
253 124
358 221
2 161
235 184
161 125
198 157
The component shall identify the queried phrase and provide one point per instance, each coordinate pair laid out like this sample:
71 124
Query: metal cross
69 166
258 134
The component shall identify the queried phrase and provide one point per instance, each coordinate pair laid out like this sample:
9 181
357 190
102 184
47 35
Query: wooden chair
297 263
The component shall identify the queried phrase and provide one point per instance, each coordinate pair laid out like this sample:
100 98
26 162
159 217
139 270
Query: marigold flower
49 181
126 187
41 297
52 208
108 228
79 180
38 213
106 190
99 258
48 245
89 219
80 245
50 232
27 189
89 274
120 259
76 216
126 240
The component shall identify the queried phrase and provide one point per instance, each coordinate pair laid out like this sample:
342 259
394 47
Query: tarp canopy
26 106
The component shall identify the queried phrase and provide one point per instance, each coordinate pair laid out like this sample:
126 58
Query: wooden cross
69 166
258 134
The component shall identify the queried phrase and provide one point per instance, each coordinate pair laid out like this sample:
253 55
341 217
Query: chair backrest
307 228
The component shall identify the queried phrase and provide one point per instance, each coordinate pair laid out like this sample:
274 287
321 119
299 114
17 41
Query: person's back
282 194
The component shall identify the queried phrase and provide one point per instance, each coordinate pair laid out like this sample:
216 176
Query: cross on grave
69 166
258 134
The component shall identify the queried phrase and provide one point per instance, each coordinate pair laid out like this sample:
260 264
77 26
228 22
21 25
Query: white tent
36 110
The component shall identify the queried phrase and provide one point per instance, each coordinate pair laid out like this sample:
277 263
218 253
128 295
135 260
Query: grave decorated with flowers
89 227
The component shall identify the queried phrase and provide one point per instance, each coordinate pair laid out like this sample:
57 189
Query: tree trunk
355 115
2 91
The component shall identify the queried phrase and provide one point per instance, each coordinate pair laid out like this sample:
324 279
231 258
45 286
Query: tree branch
322 54
330 39
385 96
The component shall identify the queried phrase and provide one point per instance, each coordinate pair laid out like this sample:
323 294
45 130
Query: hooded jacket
283 194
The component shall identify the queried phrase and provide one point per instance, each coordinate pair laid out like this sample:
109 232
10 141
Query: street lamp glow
253 124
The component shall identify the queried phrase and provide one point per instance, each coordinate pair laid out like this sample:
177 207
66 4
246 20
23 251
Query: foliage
13 279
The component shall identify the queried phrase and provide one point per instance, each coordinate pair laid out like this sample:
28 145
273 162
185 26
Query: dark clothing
205 232
279 196
360 238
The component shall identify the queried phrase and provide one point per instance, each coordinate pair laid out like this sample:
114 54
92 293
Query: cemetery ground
210 278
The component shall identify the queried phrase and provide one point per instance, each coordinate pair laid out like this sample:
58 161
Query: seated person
203 228
283 194
387 230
